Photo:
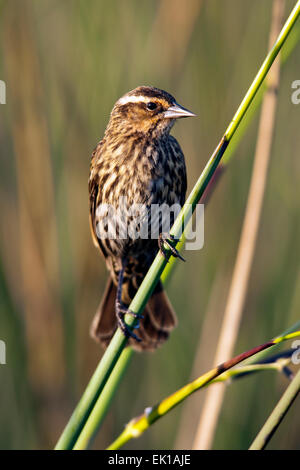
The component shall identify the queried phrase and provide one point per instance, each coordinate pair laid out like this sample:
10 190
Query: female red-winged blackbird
136 165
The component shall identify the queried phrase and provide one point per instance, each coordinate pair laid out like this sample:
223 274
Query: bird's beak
176 111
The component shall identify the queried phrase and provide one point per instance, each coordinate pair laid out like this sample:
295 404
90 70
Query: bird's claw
168 239
121 311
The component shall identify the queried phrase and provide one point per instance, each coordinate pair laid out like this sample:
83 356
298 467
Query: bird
136 164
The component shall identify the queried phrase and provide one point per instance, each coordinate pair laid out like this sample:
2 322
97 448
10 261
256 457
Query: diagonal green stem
140 424
262 355
277 415
80 416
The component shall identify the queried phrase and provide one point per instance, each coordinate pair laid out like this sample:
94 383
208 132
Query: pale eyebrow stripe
134 99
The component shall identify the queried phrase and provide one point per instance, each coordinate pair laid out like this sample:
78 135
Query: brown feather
159 319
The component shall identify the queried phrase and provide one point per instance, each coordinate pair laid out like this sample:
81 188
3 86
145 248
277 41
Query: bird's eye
151 105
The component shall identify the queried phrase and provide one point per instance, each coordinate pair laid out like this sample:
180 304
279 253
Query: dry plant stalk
238 289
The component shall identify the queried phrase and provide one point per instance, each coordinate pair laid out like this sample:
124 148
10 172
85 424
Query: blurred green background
65 64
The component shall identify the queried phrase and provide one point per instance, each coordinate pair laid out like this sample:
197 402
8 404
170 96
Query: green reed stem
140 424
81 416
262 355
277 415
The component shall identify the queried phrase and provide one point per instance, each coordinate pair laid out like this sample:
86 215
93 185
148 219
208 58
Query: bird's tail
159 319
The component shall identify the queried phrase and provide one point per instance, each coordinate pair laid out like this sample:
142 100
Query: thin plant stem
80 416
277 414
111 385
244 259
151 414
262 355
107 395
244 125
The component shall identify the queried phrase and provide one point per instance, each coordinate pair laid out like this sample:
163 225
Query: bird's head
146 110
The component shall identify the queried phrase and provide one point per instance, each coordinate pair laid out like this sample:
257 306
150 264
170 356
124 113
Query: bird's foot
168 240
121 311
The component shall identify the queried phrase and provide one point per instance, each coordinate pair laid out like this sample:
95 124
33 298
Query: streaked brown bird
137 164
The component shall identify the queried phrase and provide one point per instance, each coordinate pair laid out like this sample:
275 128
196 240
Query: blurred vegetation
65 64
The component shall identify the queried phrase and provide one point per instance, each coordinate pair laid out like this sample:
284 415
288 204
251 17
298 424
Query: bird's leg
121 309
169 240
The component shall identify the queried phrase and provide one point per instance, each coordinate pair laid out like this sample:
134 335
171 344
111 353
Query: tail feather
160 310
104 323
159 319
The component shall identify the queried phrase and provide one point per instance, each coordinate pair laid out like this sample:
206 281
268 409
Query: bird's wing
94 194
181 183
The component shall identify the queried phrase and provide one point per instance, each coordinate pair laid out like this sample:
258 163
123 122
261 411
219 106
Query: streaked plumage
139 160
